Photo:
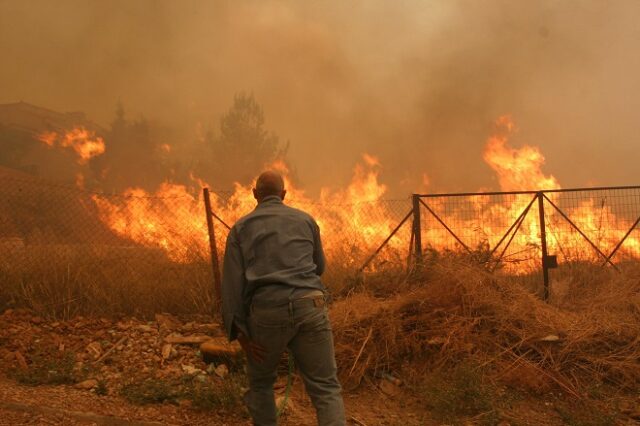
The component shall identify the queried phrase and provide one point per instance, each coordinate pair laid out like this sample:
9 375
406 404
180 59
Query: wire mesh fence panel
498 228
66 251
350 232
503 230
589 225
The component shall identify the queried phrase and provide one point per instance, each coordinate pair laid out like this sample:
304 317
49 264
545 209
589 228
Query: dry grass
588 333
60 281
65 281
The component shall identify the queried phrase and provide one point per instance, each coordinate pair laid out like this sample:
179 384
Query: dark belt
316 301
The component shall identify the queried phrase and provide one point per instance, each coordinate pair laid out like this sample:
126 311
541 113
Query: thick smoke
416 83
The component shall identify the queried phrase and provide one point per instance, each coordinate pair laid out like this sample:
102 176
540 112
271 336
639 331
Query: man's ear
282 194
255 194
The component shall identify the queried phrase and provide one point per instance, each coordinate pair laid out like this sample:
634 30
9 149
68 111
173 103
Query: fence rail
148 253
526 230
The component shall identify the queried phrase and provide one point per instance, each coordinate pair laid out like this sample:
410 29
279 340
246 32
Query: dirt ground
89 371
73 372
62 404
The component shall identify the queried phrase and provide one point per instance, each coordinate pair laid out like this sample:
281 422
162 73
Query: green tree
243 146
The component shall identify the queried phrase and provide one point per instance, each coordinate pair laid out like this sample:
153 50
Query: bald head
269 183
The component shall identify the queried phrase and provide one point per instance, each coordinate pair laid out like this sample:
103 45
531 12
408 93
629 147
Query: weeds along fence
65 251
530 234
526 234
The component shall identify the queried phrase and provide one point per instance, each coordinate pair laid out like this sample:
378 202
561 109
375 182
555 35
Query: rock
145 328
167 350
167 322
220 348
191 370
87 384
221 371
186 340
123 326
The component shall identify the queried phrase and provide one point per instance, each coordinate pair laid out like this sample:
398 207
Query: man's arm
318 252
233 283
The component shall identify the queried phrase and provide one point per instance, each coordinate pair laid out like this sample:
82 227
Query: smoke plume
417 84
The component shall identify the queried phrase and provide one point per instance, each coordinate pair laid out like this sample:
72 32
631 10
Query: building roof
35 119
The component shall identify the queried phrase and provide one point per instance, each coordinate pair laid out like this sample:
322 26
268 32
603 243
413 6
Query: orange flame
353 222
84 142
517 169
173 220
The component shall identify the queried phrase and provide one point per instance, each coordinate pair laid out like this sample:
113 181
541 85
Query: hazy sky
417 83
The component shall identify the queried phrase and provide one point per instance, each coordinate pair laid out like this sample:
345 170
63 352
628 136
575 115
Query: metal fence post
214 248
417 229
543 244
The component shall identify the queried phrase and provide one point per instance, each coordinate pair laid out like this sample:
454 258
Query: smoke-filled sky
416 83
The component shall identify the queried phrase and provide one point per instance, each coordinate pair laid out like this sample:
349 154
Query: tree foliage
131 155
243 147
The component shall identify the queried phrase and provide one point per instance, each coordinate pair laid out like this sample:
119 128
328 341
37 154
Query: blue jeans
303 327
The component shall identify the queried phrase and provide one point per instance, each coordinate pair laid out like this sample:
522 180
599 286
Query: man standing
273 299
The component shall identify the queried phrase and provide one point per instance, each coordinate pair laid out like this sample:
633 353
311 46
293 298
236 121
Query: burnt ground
131 372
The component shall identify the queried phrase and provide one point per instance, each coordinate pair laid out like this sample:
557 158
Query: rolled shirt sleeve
234 313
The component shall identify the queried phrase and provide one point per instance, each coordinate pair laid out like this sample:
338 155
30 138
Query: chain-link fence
527 234
357 237
68 251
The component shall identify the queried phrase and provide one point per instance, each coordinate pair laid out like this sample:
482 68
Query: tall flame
172 218
84 142
517 169
353 221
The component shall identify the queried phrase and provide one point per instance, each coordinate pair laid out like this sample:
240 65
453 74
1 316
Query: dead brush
464 313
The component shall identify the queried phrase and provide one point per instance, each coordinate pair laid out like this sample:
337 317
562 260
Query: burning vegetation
469 313
516 304
85 143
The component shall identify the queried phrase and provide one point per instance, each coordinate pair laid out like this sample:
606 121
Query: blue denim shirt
273 253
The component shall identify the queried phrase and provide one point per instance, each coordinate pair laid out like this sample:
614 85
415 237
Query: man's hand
253 350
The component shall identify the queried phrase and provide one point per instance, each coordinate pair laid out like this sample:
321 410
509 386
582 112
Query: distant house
34 119
21 149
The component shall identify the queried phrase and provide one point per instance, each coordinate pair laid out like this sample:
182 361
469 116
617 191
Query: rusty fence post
215 263
543 244
417 230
